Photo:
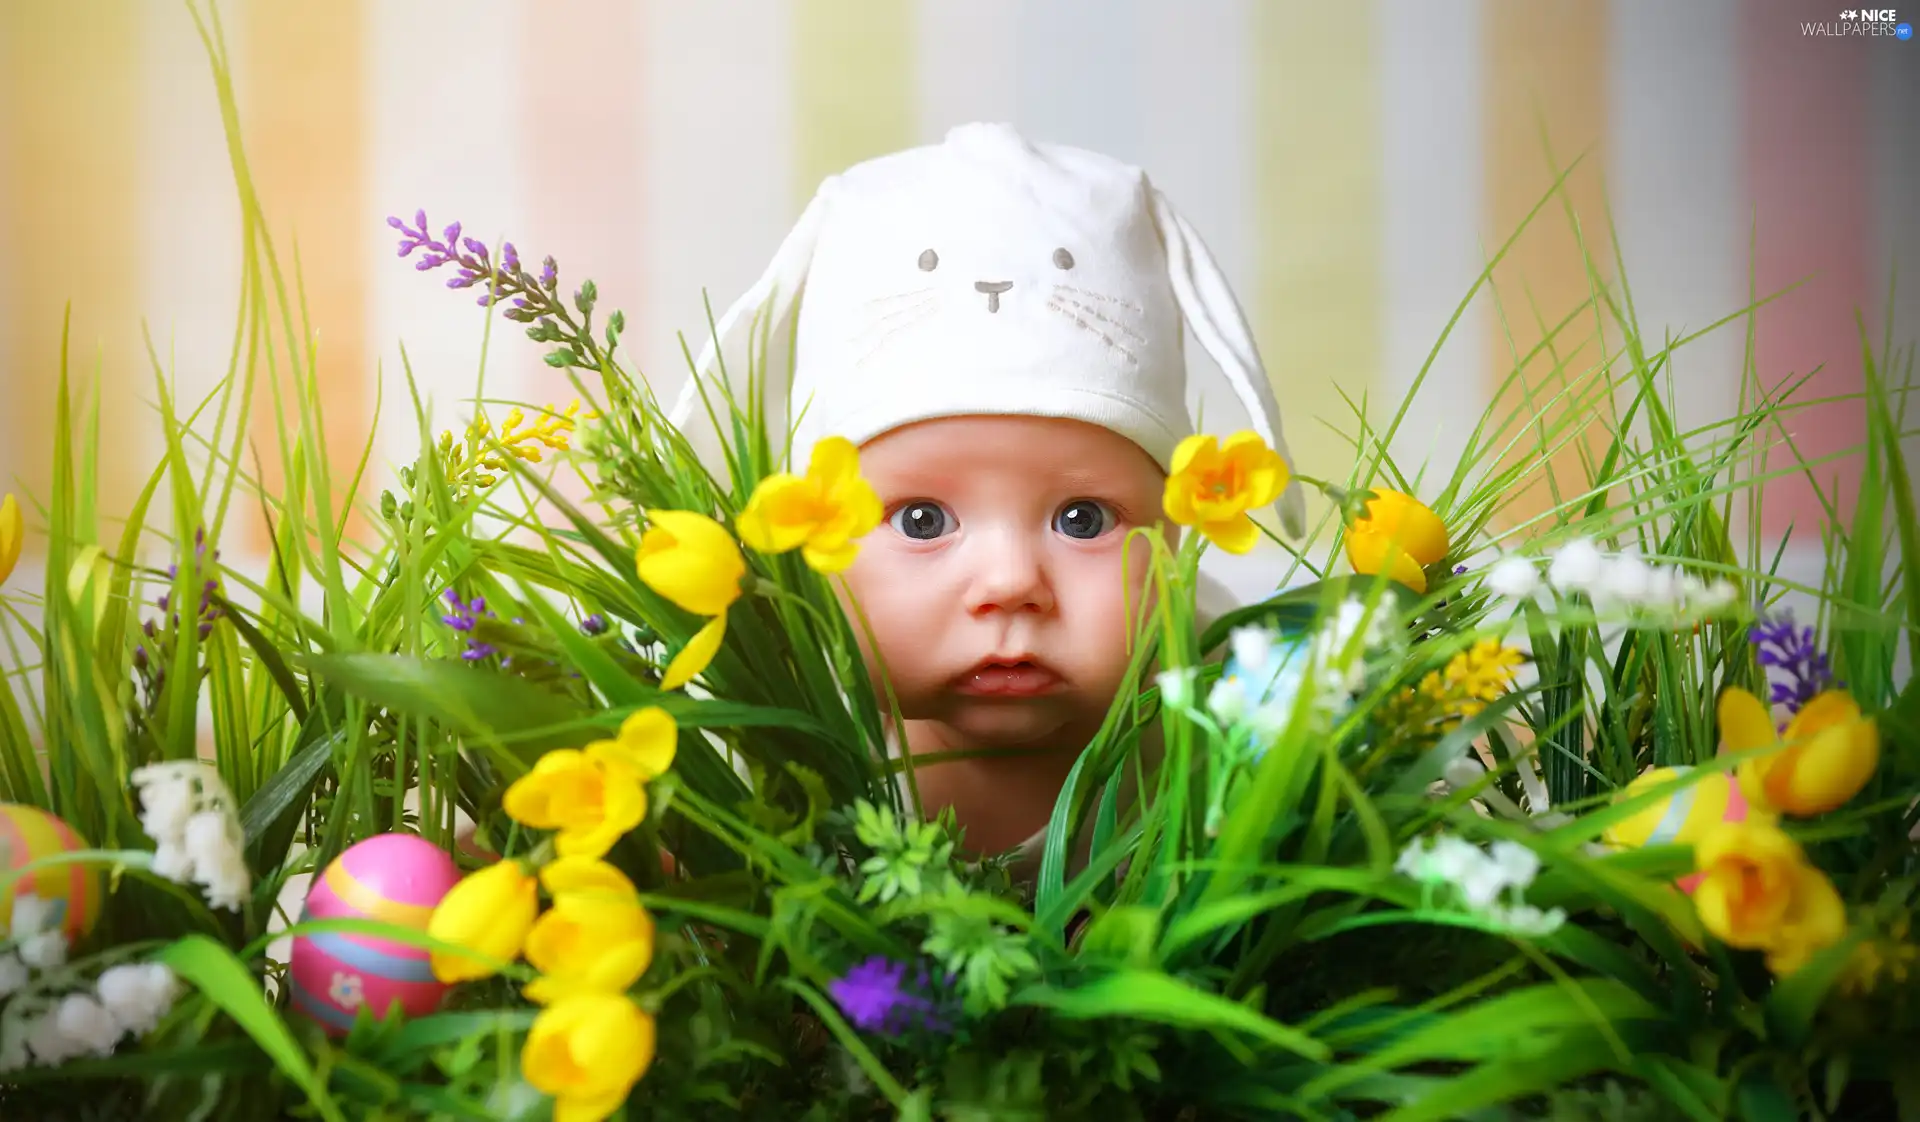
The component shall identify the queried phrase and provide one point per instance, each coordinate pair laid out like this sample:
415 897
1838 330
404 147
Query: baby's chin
1033 724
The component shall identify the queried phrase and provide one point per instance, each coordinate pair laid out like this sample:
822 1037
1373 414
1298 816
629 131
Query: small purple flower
462 618
595 624
875 996
1793 653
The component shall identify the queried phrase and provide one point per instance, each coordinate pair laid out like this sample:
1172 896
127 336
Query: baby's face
995 586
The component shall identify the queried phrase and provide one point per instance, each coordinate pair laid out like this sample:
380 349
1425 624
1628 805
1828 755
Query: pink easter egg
392 878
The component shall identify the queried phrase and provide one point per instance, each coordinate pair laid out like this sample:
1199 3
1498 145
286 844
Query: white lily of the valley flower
1518 865
82 1019
36 933
13 975
1482 880
1718 596
138 994
1525 919
1176 687
1514 578
1251 647
1624 580
166 799
32 915
193 820
1227 701
1576 566
45 950
50 1045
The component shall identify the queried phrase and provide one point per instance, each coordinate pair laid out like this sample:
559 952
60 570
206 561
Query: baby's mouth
1010 678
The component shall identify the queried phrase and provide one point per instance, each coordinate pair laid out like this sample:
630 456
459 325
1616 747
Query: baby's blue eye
923 520
1085 519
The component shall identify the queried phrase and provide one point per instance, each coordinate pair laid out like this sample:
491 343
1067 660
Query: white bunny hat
986 275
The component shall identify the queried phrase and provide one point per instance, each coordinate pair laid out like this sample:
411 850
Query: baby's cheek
1105 596
887 598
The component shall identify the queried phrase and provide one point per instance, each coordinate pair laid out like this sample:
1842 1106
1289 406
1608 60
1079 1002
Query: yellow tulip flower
692 561
592 796
595 938
489 912
1213 487
13 533
587 1051
1397 535
1758 892
822 513
1831 751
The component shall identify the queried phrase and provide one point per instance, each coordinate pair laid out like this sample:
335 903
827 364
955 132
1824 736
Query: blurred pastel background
1351 164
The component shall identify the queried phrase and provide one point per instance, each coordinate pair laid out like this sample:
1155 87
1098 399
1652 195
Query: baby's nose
1011 577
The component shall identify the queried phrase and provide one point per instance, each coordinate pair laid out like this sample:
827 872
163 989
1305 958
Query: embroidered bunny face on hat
987 275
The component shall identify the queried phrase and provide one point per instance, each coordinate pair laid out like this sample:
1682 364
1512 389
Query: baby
998 325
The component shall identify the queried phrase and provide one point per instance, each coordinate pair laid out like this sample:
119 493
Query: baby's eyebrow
1081 477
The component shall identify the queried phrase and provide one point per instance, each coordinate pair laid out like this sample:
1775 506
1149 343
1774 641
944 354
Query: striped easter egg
392 878
1681 818
27 834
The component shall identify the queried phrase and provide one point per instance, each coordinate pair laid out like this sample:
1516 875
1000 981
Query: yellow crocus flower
649 737
692 561
1213 487
489 912
823 513
1757 891
587 1050
1398 535
1831 751
595 938
592 796
13 534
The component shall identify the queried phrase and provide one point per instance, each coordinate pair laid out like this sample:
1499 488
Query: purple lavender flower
462 619
876 997
1792 652
150 658
523 298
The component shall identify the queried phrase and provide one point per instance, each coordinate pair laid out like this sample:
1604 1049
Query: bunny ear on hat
748 356
1208 305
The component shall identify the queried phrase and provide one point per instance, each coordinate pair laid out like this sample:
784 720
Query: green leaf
474 702
1053 859
285 795
1504 1081
1153 996
1796 999
215 972
1125 935
1762 1100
